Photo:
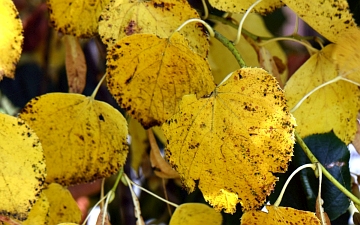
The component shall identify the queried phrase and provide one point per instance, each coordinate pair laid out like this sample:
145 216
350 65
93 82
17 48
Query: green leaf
333 154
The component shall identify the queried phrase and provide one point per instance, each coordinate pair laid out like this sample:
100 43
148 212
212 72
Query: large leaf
333 154
22 167
148 75
231 141
240 6
83 139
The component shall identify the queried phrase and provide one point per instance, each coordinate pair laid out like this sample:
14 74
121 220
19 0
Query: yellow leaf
39 214
346 54
63 208
232 141
78 18
333 107
195 214
240 6
278 216
148 75
75 65
329 17
22 166
223 62
139 143
126 17
83 139
11 38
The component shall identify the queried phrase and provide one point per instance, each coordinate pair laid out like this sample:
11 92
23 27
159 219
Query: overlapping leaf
346 54
22 167
160 17
232 141
78 18
240 6
148 75
139 143
195 214
83 139
11 38
333 107
329 18
278 216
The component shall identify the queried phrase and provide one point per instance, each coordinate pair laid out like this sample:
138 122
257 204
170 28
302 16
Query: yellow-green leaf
78 18
11 38
22 167
329 17
333 107
160 17
240 6
148 75
232 141
195 214
83 139
279 216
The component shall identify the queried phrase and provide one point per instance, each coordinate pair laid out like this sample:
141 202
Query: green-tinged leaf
333 154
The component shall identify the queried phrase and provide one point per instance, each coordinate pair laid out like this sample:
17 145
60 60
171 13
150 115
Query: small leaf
356 218
329 17
83 139
78 18
320 213
122 18
268 63
338 102
22 168
195 214
148 75
278 216
232 141
39 213
139 143
11 38
100 220
75 65
240 6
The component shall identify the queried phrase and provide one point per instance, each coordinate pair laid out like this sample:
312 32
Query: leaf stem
98 87
238 36
278 200
208 27
313 90
312 49
313 159
206 10
229 45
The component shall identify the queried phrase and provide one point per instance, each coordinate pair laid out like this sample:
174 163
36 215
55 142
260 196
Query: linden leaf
39 212
195 214
279 215
11 38
126 17
83 139
75 65
78 18
148 75
139 143
338 102
223 62
22 172
346 54
232 141
63 208
241 6
329 17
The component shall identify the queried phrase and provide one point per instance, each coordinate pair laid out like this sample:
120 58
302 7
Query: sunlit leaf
78 18
240 6
223 62
346 54
63 207
75 65
22 167
39 213
333 107
148 75
195 214
329 17
83 139
160 17
139 143
11 38
231 141
278 216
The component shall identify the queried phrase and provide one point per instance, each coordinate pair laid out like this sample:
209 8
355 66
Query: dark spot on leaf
101 117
